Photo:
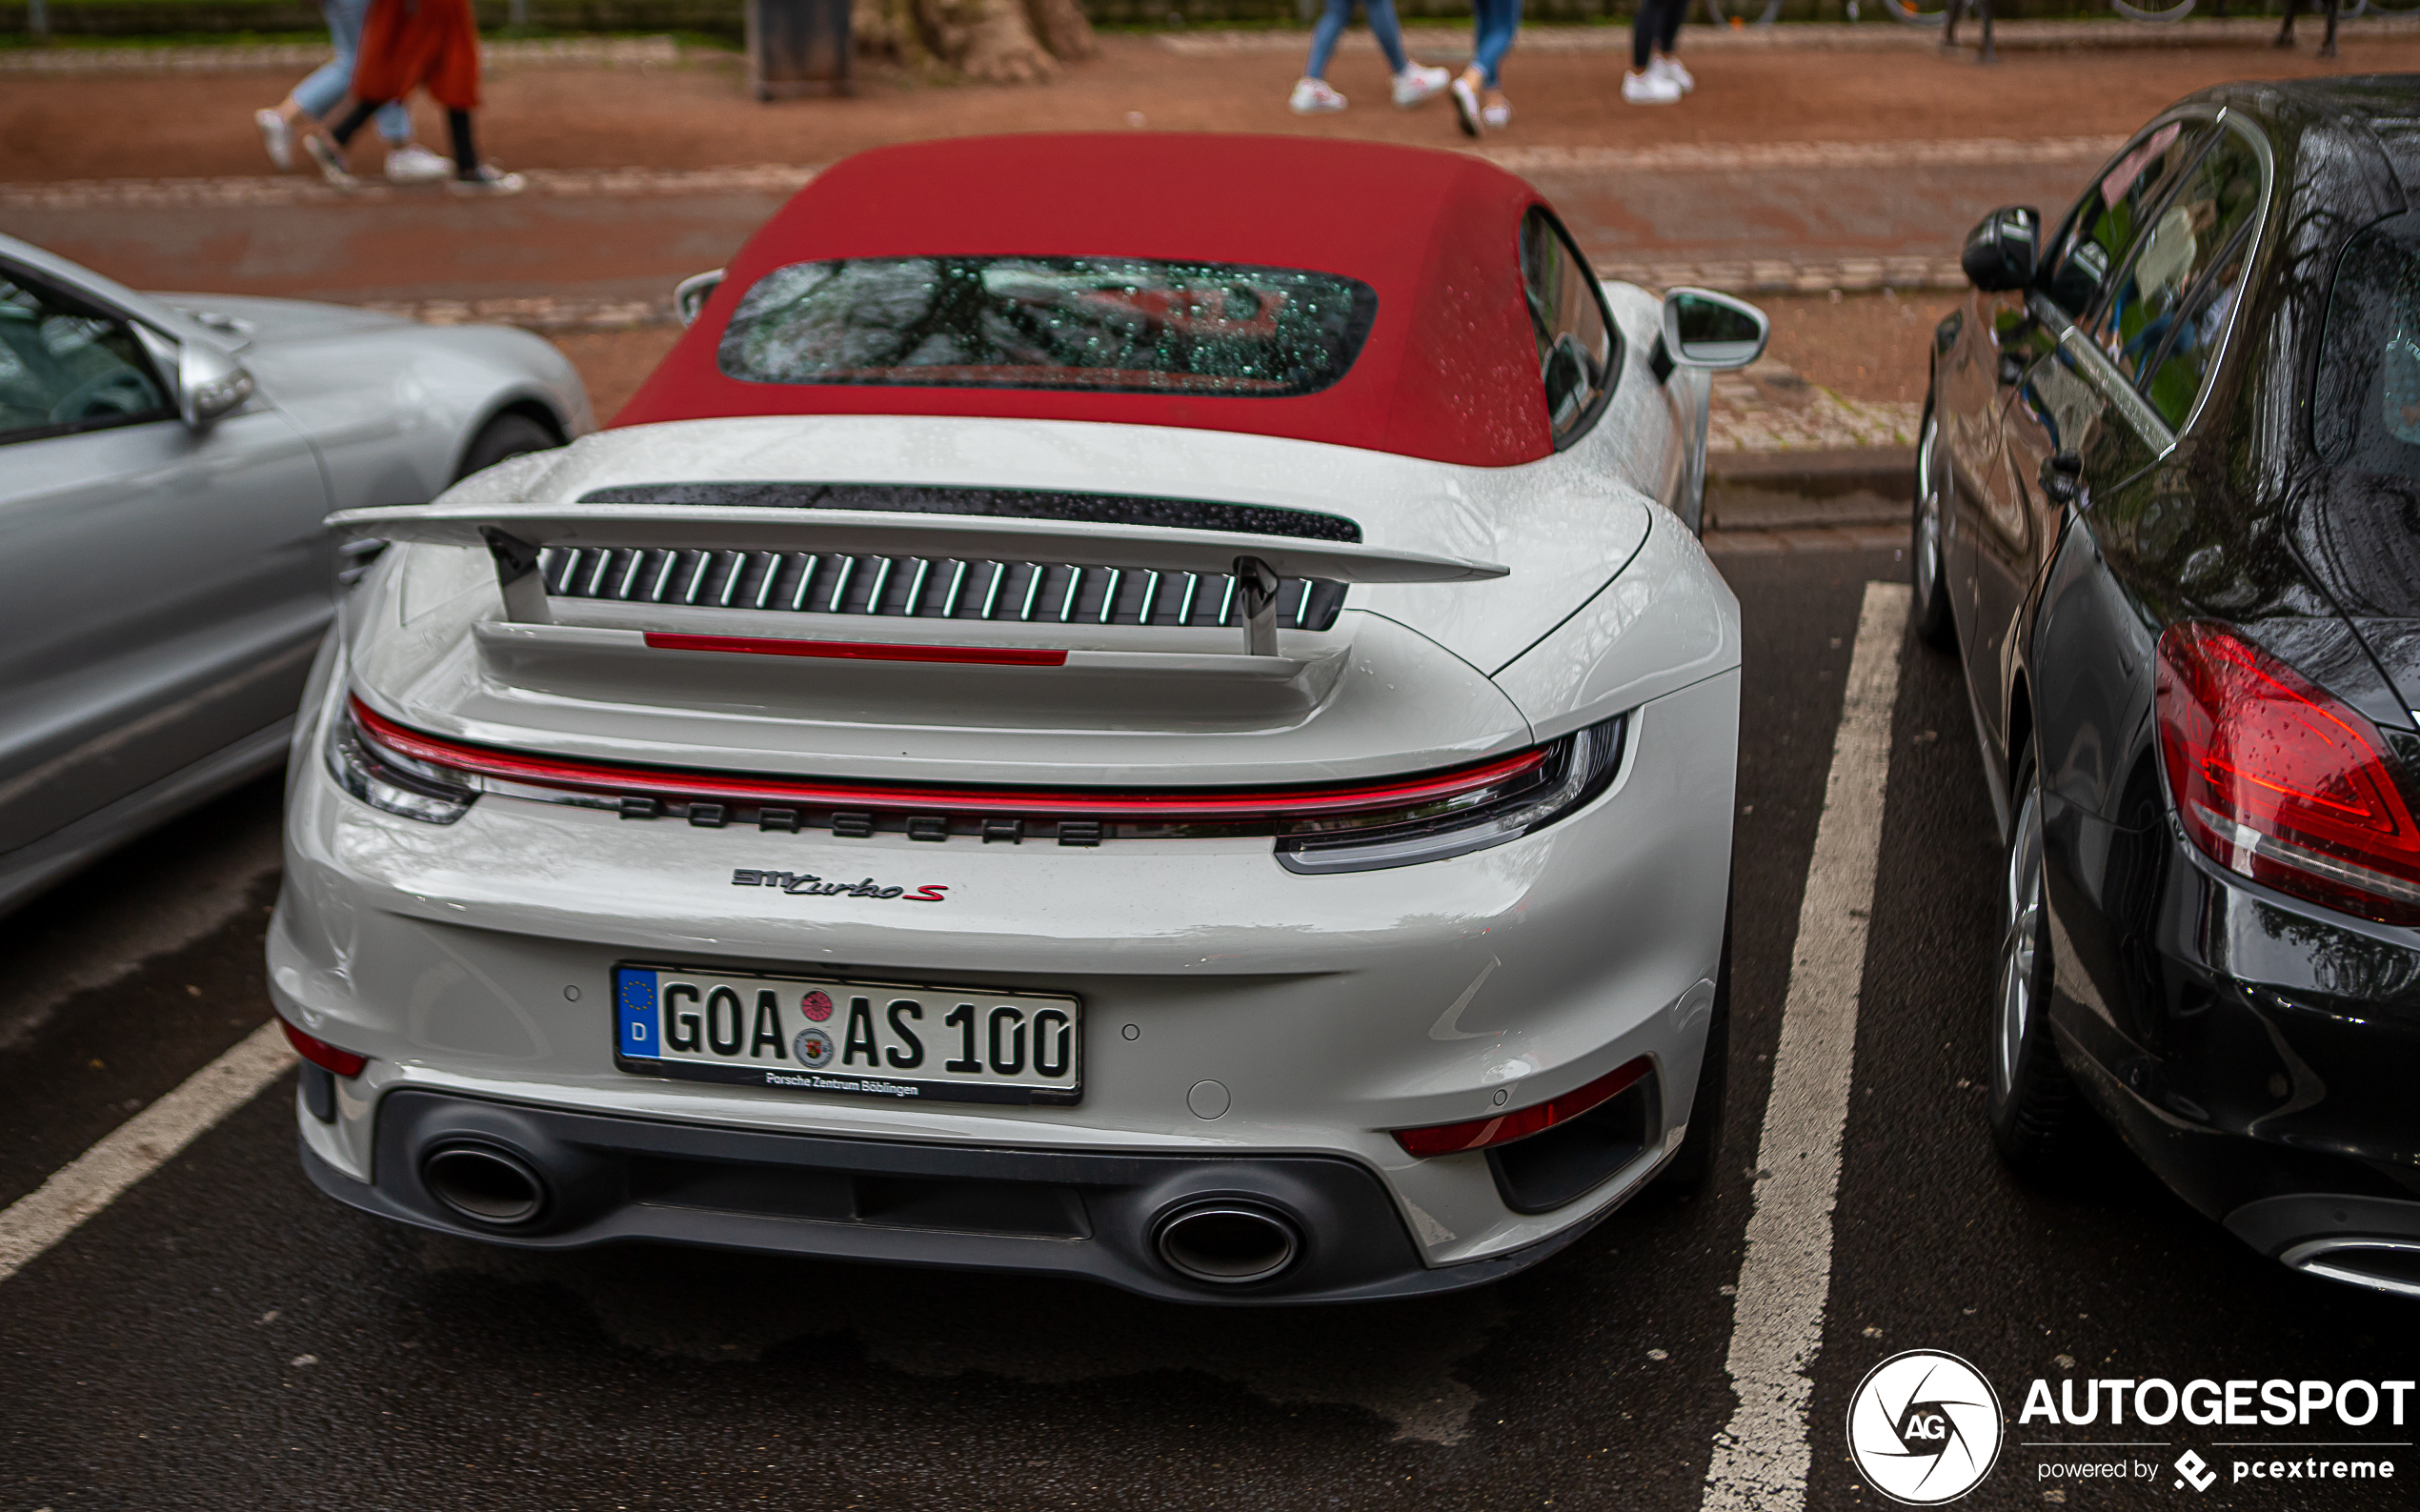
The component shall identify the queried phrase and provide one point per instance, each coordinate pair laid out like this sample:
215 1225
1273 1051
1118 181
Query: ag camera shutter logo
1925 1428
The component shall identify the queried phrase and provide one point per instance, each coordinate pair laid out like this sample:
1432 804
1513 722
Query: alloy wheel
2019 945
1927 563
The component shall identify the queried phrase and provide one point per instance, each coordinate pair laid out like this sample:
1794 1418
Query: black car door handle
2063 477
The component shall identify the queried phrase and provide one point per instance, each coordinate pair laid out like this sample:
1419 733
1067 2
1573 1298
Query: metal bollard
798 48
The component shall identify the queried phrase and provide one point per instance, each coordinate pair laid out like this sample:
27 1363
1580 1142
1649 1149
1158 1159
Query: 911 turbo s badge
806 885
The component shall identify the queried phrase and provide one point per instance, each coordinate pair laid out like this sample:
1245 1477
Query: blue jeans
1332 22
1493 24
320 93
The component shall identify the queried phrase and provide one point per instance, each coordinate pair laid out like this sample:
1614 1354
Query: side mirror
1703 329
210 384
1999 252
2062 477
207 383
691 294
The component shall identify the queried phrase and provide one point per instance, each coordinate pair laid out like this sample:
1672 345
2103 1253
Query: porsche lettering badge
807 884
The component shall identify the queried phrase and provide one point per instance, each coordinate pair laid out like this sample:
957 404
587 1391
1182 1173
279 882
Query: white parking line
1761 1457
139 1146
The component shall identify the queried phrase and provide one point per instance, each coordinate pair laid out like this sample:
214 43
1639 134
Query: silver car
166 462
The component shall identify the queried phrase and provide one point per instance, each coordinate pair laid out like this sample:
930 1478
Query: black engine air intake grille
923 587
1006 503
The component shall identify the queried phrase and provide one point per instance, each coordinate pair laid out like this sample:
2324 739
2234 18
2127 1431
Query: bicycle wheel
1919 13
2154 12
1727 12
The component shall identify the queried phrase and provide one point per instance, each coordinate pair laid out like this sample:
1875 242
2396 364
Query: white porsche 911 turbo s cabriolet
1137 707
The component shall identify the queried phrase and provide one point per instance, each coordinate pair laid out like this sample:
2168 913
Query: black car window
67 367
2367 413
2103 227
2170 305
1113 325
1578 352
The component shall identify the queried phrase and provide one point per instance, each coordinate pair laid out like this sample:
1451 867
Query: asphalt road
222 1335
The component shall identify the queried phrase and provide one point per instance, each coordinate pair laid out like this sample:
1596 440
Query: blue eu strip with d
634 1000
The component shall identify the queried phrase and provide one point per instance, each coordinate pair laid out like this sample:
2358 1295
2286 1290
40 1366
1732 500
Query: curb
252 57
1863 491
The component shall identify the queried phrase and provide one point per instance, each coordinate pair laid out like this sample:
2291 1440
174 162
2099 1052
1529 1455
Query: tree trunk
989 41
1064 28
886 28
992 41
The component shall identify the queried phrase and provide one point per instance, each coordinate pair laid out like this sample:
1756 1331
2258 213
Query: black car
2169 505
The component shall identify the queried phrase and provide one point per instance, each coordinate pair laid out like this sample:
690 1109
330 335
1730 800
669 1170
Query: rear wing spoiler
513 535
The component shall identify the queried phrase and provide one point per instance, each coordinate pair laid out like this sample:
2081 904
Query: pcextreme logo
1925 1428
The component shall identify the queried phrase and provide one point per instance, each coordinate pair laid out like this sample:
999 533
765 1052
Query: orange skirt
412 43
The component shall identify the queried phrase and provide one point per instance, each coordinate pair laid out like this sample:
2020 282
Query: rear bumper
1089 1215
2258 1052
475 960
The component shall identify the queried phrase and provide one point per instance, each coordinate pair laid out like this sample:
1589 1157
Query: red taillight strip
1154 807
1483 1133
864 650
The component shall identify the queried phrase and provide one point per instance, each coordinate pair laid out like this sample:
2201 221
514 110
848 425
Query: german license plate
875 1040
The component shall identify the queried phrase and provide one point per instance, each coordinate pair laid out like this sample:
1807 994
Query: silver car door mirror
1703 329
210 384
207 383
691 294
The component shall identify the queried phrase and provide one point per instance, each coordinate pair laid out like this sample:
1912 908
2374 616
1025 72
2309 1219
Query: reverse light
2279 781
1503 1128
384 778
323 1054
1573 771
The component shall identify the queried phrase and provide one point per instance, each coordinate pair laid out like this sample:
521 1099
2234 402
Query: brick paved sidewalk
1878 35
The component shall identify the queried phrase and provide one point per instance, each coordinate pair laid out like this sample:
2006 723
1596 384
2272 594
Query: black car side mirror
2062 477
2000 252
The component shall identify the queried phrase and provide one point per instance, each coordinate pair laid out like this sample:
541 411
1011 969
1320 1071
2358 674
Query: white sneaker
1311 96
1670 67
1466 106
415 164
1417 86
331 161
276 136
1649 88
1498 113
490 179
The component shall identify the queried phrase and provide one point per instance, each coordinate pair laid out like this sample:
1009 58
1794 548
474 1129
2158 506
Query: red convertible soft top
1447 371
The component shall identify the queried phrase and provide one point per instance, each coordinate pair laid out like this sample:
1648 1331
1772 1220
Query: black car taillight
2278 782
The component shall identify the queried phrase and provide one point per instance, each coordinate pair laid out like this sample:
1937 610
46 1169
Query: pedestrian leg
1311 92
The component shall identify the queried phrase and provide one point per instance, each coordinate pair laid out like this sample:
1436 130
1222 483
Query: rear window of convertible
1107 325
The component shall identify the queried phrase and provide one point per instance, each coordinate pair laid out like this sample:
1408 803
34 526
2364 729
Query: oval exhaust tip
1228 1244
483 1184
2391 1265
